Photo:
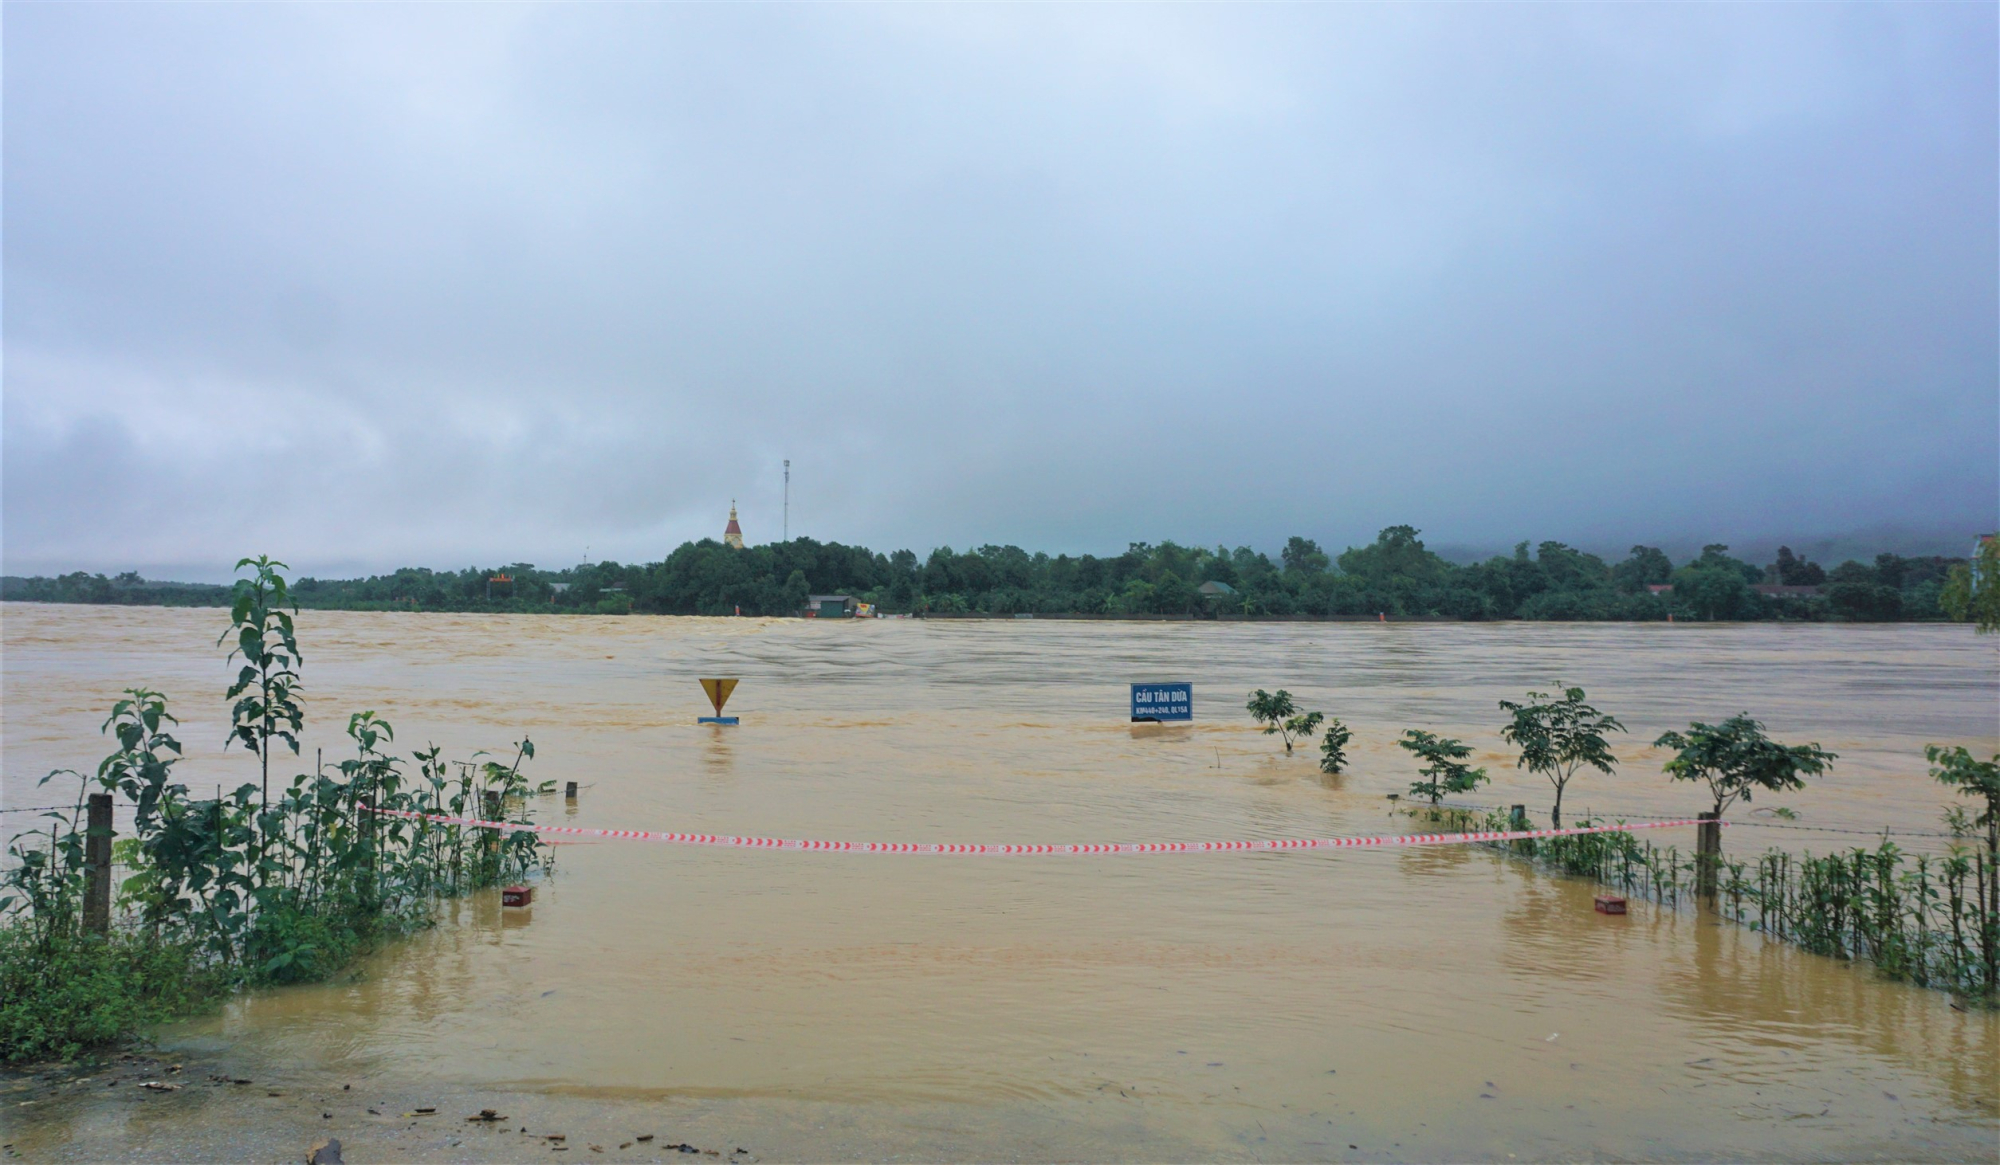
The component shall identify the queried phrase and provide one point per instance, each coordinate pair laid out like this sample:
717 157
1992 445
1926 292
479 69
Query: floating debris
327 1152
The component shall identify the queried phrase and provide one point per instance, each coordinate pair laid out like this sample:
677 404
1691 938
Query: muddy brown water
1418 1005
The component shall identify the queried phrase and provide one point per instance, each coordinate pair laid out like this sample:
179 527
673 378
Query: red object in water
1610 904
523 895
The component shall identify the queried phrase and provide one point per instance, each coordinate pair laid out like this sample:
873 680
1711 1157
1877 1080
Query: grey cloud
480 284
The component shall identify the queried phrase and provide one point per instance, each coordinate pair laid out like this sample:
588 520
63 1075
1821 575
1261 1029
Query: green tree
1716 556
1444 769
1735 758
1558 736
1172 596
1794 571
1971 591
1333 747
1865 602
1711 592
1396 553
1281 718
1303 556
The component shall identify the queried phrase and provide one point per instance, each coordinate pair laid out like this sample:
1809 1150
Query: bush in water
1443 766
251 886
1280 717
1333 746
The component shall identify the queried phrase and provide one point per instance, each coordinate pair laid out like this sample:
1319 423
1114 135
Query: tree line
1396 575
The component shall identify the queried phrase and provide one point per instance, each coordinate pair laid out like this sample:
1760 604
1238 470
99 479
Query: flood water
1418 1005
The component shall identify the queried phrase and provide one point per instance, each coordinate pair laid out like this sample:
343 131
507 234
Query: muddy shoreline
152 1106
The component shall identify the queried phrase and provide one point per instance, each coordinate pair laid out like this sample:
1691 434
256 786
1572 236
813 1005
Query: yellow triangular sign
718 692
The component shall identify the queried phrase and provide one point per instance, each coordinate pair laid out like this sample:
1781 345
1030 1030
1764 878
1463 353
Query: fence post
97 866
569 791
1707 853
1518 819
494 806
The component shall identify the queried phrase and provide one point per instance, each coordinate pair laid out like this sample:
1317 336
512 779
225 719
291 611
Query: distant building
1215 588
1780 591
732 534
1661 589
829 606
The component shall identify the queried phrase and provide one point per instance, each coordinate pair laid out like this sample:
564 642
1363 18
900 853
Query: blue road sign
1162 702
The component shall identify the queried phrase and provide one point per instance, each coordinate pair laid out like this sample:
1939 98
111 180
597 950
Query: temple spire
732 534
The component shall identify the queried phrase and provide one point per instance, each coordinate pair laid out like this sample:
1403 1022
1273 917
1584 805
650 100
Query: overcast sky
365 286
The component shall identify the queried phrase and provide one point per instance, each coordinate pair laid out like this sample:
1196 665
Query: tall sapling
1333 746
1443 766
266 689
1280 717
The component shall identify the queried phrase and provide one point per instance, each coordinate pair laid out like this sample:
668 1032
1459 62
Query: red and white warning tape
1160 847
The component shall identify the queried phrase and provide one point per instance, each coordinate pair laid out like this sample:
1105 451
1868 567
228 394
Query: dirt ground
141 1107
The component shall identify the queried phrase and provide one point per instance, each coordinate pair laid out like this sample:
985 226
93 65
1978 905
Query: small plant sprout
1735 759
1282 718
1559 735
1444 769
1333 746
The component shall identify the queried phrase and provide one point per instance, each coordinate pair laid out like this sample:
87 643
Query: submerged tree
1333 746
1558 736
1282 718
1735 758
1443 768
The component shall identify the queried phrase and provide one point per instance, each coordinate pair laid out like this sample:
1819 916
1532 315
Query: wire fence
1732 822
